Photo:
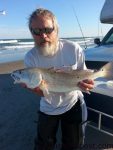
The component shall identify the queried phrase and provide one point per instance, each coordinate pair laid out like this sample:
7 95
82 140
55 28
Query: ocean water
15 49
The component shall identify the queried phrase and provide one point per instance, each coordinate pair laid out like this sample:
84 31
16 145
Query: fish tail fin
107 71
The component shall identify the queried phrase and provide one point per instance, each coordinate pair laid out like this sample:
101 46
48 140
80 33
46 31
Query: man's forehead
42 21
42 17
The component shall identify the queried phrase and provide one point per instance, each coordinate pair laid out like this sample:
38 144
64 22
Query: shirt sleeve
29 60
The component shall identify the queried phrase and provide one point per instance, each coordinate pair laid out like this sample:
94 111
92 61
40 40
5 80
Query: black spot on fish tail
95 70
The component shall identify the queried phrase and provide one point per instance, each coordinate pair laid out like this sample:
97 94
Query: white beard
48 49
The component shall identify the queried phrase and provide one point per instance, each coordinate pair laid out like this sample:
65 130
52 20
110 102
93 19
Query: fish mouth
16 78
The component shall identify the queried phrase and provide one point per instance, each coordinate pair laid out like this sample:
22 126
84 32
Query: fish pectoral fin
42 84
47 95
43 87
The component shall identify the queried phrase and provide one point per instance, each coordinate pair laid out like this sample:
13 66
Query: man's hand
38 91
86 85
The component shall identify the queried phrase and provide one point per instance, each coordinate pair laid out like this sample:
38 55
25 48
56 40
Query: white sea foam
8 41
26 43
16 48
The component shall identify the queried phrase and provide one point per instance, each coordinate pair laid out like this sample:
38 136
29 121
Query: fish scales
57 80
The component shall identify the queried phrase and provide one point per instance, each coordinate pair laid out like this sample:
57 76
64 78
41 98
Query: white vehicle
101 103
104 49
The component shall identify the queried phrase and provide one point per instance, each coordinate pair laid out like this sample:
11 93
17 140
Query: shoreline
8 67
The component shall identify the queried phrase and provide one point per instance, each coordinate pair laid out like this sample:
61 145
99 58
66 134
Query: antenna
100 30
79 26
98 27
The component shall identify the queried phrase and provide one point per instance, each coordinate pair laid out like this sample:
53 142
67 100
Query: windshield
108 39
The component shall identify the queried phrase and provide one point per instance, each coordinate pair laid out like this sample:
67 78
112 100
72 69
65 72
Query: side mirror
97 41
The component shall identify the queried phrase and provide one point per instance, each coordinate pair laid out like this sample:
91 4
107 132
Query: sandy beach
18 114
8 67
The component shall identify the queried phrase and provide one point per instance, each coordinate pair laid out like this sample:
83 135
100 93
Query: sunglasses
41 31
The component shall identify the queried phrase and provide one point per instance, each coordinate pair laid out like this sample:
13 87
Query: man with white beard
68 108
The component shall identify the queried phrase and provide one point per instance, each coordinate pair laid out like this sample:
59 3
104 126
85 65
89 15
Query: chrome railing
100 121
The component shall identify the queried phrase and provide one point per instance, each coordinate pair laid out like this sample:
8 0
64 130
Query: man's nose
43 35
